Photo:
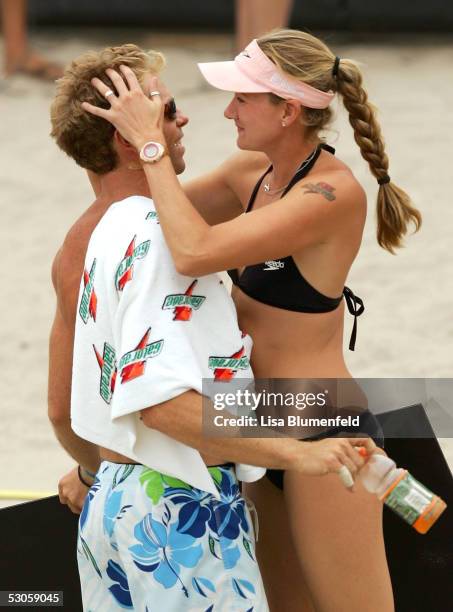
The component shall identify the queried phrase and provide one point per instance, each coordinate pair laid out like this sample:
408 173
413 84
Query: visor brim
228 77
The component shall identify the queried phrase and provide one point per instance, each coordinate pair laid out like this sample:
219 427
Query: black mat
421 566
38 550
38 539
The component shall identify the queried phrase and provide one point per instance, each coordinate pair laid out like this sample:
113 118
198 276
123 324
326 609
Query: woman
320 548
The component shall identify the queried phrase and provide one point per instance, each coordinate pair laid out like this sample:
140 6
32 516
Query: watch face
151 150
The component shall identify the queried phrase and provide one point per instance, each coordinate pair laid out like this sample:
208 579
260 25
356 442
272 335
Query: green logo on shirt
126 268
226 367
183 303
228 362
132 364
89 301
107 363
152 216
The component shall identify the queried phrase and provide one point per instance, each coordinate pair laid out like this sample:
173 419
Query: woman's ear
292 111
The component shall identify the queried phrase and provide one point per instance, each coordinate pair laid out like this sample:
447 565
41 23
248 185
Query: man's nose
181 119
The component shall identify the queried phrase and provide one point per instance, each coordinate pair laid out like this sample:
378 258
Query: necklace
269 191
267 186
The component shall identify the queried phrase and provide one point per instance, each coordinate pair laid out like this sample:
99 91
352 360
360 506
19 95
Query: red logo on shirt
226 367
89 300
183 303
132 364
125 270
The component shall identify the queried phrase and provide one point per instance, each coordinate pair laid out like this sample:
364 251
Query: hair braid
394 208
309 60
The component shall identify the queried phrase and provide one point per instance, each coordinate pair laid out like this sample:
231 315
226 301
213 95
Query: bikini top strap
234 275
255 191
356 307
305 168
327 148
300 174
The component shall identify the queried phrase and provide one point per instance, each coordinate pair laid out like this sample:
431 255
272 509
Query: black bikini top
286 287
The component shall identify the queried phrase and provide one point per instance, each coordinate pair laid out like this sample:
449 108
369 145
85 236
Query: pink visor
253 72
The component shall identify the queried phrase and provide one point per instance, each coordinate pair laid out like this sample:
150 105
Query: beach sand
407 330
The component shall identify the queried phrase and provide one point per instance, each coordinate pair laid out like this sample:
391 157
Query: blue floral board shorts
152 543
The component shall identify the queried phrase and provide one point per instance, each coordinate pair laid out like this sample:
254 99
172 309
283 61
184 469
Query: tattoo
323 188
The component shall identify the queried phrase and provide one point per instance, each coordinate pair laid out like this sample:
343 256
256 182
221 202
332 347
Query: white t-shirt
145 334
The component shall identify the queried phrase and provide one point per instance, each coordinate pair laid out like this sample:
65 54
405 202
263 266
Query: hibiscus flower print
120 588
111 510
194 509
162 550
229 512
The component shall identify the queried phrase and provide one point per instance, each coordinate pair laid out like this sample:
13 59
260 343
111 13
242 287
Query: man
255 17
158 527
19 58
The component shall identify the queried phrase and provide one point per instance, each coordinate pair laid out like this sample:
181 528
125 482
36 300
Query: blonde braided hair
308 59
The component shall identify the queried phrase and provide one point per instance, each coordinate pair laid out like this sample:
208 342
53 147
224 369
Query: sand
407 330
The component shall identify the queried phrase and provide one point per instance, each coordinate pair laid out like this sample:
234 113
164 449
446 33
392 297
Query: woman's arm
300 219
307 215
213 198
219 195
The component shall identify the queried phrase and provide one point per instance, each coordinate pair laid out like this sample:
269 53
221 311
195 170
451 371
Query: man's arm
59 395
181 419
66 273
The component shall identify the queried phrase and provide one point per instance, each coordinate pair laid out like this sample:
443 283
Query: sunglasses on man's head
170 110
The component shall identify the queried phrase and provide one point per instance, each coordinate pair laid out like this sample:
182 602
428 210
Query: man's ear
126 151
122 141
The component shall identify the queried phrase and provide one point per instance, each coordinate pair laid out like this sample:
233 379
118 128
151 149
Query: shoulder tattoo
324 189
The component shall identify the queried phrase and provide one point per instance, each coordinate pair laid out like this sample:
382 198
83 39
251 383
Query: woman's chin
243 144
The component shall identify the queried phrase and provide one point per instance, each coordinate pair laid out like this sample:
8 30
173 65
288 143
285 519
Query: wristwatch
152 151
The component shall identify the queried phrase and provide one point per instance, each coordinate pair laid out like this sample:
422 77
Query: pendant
267 187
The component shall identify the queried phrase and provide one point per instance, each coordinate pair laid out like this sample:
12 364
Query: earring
283 123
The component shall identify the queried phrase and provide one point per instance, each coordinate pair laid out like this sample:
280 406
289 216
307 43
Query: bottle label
409 498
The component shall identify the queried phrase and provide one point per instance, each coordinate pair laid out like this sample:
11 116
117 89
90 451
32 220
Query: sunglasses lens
170 110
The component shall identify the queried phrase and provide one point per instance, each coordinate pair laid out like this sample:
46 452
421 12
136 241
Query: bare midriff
109 455
289 344
293 345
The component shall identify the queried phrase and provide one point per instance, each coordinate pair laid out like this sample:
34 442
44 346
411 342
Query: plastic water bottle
401 492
